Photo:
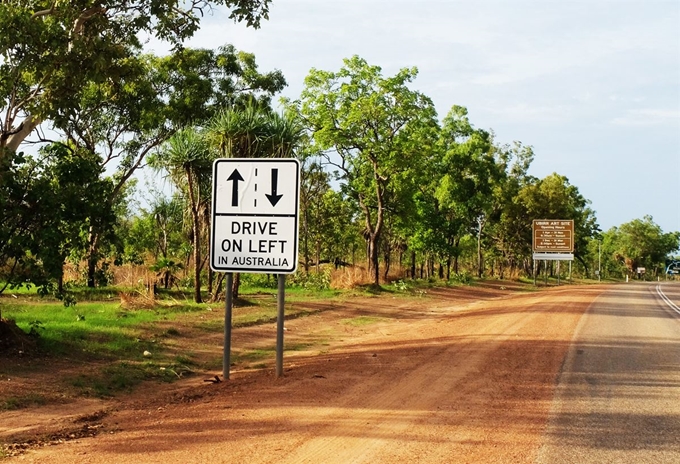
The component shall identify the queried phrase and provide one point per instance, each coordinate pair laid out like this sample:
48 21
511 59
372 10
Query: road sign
553 236
255 215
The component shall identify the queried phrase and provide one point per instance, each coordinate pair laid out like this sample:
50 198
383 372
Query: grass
250 356
113 339
120 377
23 401
362 320
101 329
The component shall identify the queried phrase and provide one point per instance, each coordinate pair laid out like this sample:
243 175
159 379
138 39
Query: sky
593 86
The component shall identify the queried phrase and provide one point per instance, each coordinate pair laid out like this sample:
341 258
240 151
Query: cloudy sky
593 86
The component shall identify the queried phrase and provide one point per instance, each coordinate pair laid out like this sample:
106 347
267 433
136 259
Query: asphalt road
618 396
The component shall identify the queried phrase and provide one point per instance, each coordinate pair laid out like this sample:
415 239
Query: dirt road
430 382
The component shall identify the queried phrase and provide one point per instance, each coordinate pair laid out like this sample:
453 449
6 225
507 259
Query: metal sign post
228 303
279 324
255 209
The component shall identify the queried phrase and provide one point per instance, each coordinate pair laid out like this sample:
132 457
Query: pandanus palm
255 132
187 159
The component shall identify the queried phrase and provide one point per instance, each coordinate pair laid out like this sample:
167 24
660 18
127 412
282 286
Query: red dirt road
433 380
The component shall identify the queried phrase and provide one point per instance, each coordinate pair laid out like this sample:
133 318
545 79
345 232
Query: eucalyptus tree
469 172
50 50
314 184
553 197
187 159
47 202
509 217
124 120
642 243
371 130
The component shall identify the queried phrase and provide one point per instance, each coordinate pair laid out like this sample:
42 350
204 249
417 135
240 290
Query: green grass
120 377
93 329
22 401
253 355
363 320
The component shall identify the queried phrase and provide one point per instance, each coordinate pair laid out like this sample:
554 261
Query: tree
555 198
48 204
642 243
509 217
469 174
187 159
55 49
155 232
371 129
254 131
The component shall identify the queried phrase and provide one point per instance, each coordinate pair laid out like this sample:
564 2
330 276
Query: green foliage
374 130
57 49
310 280
46 206
640 243
463 278
255 281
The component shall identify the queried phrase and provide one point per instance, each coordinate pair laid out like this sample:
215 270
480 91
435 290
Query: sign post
255 206
553 240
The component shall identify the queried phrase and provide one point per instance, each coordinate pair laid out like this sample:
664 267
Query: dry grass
349 277
352 277
132 275
137 300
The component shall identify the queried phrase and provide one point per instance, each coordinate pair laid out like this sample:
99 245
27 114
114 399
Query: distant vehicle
673 268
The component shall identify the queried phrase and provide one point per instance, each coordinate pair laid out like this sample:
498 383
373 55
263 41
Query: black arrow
236 177
273 197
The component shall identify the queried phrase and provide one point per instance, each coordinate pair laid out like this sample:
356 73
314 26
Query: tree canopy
51 51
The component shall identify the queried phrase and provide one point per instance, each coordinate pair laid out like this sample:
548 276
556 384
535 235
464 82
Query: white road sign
255 215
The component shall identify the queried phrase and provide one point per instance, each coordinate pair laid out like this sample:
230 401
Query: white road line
670 304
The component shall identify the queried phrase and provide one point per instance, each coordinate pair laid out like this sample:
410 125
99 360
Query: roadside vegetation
96 265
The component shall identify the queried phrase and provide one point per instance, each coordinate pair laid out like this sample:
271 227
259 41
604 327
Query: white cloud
648 117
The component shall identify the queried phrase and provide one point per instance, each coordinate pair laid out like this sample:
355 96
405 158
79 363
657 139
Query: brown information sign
553 236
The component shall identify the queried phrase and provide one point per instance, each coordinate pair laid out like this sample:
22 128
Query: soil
462 374
14 342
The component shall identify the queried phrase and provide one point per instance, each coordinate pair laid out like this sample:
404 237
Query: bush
461 278
311 281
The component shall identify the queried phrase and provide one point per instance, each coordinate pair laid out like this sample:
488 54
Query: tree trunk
456 242
195 236
374 259
92 251
235 285
413 265
24 130
305 240
60 281
318 255
387 265
480 258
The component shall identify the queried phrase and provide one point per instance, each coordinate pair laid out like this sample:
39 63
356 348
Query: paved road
618 397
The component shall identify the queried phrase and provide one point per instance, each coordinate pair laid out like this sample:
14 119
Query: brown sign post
553 236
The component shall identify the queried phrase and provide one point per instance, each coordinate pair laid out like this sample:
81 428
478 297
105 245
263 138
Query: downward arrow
236 178
273 197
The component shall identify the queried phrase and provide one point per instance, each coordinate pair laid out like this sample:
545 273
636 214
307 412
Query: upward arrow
236 178
273 197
